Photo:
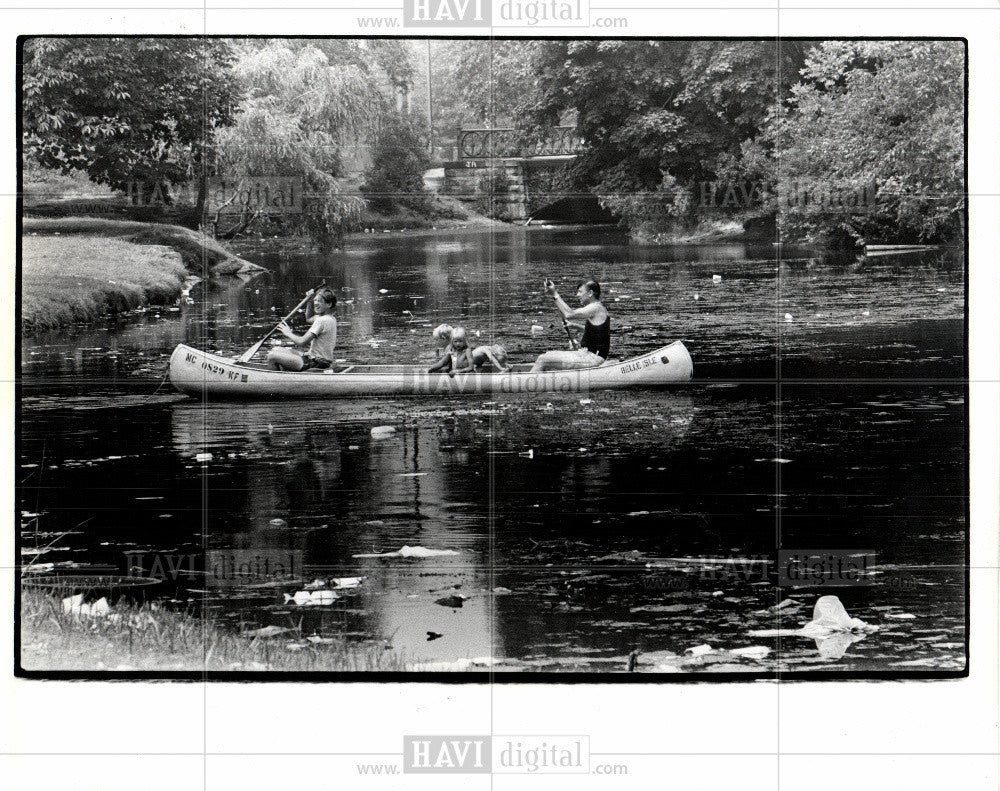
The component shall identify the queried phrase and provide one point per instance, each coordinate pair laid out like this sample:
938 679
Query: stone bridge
505 177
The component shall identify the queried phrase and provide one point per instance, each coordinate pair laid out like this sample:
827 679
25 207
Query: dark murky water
578 521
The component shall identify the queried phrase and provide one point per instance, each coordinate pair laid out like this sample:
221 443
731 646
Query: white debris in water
752 652
901 616
716 278
586 401
829 617
203 457
383 291
381 432
74 605
697 296
347 582
789 317
528 454
306 598
409 552
537 328
699 650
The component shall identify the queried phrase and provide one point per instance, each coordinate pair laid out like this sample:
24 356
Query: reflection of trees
344 493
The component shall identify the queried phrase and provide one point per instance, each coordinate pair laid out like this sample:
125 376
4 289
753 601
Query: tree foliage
658 116
298 113
122 109
881 120
399 159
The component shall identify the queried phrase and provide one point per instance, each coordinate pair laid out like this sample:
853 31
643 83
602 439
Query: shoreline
77 270
147 637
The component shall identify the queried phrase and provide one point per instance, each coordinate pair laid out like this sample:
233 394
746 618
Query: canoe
202 374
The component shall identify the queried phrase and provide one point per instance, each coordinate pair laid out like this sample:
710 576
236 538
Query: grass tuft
148 637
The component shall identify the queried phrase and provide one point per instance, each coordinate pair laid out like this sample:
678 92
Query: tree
878 125
657 117
298 113
399 159
125 109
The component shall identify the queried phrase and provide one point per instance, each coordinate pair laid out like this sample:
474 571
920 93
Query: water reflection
561 511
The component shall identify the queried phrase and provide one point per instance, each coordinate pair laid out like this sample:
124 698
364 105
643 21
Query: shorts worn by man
596 341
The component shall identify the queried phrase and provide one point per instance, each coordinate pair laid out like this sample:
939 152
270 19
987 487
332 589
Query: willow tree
298 114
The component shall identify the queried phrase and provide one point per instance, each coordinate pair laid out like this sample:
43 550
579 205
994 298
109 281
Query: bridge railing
504 143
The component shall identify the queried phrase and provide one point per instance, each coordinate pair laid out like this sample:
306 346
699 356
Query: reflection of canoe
201 373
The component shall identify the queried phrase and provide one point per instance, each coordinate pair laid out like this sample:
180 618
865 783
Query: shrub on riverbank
69 279
146 637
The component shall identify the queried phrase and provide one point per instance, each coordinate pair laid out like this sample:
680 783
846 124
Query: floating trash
307 598
409 552
752 652
829 617
204 457
455 600
347 582
716 278
381 432
699 650
789 317
74 605
278 522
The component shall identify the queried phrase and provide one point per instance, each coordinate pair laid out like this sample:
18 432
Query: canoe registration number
218 370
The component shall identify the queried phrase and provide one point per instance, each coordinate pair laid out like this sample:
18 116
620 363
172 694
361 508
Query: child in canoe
321 338
457 355
442 339
485 356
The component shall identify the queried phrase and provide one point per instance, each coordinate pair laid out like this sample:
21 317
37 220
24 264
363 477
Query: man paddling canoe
595 344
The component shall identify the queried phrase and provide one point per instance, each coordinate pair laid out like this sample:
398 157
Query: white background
763 735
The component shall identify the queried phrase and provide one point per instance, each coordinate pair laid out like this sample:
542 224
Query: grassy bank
144 637
78 269
440 211
202 255
69 279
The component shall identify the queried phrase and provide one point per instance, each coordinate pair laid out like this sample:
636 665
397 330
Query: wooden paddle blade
249 353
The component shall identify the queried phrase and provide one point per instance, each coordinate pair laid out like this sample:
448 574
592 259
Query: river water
827 412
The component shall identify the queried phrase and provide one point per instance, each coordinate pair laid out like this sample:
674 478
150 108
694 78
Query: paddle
249 353
550 288
572 341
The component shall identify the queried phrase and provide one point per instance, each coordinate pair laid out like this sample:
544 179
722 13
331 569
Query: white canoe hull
199 373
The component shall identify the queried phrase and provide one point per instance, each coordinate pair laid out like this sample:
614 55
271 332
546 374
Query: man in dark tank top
595 344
